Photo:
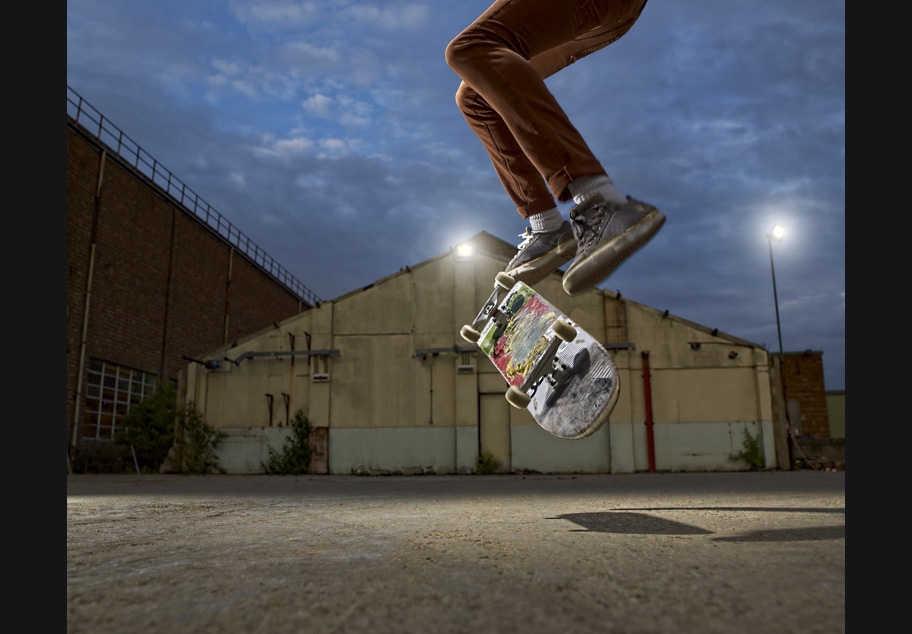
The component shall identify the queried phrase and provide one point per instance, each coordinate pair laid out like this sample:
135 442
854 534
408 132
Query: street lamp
776 234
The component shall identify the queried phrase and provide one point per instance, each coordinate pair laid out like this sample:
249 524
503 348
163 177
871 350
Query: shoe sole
536 270
605 260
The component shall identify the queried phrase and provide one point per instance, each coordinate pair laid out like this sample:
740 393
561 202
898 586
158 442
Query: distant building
155 277
389 386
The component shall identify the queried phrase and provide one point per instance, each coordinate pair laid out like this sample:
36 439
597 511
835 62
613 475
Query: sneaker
540 253
606 235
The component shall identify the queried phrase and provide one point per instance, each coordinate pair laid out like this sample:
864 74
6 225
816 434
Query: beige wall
399 398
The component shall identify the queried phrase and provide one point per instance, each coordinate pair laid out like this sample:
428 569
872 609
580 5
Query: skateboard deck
555 369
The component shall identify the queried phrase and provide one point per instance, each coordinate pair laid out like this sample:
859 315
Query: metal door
494 429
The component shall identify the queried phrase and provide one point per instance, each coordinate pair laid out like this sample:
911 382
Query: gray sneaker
606 235
540 253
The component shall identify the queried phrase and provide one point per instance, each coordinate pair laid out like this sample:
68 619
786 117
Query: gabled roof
493 245
484 241
500 249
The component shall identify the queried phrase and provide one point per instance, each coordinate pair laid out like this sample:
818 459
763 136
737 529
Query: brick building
812 412
155 277
802 373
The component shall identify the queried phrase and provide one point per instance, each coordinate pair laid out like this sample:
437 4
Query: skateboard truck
556 374
502 284
560 374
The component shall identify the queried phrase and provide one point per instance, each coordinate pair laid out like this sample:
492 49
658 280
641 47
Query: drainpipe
77 415
82 348
647 396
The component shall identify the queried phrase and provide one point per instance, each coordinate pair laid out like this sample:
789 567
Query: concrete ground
701 552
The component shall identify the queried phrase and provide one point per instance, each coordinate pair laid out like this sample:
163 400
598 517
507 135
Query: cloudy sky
327 132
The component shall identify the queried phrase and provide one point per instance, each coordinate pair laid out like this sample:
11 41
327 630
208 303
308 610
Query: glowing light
464 251
777 233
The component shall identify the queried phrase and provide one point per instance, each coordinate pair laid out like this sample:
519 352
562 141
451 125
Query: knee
465 52
461 61
455 54
464 97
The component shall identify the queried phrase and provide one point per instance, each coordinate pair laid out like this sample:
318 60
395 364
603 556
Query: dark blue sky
327 132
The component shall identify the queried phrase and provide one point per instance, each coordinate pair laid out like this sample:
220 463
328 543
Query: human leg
505 56
518 175
548 243
503 59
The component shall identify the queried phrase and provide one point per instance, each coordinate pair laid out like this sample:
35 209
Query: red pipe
647 396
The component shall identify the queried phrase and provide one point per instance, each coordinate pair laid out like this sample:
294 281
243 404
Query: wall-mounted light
464 251
733 354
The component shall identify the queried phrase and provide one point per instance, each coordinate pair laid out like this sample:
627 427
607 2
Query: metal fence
127 149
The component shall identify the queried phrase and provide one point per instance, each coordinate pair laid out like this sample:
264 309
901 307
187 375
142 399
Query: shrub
195 443
294 459
486 464
752 453
149 427
157 430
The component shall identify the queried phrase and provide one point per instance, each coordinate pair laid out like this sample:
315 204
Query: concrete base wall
245 451
702 447
535 450
403 450
616 448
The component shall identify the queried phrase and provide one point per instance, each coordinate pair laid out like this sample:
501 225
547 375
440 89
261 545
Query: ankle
585 186
549 220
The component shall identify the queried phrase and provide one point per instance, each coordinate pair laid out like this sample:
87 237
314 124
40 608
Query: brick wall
163 286
802 374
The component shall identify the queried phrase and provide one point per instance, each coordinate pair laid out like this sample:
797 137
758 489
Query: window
110 391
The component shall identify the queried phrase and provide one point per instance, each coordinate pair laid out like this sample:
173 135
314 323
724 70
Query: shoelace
527 236
590 222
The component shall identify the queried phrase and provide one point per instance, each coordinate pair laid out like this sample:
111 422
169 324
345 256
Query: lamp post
776 234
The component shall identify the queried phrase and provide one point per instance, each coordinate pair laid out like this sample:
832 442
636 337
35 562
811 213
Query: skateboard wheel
470 334
564 330
504 281
517 398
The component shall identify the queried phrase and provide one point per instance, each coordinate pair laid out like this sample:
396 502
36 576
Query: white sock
583 187
547 220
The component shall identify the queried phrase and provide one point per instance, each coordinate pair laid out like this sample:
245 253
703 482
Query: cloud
285 148
319 105
396 17
305 54
281 14
284 15
327 132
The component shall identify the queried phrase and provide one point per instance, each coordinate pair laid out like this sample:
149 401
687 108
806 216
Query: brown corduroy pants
503 58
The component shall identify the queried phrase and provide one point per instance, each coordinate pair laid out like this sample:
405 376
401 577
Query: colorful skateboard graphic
554 368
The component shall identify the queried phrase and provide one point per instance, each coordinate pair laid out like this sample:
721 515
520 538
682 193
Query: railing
128 150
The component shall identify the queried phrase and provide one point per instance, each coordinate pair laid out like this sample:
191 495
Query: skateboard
555 369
